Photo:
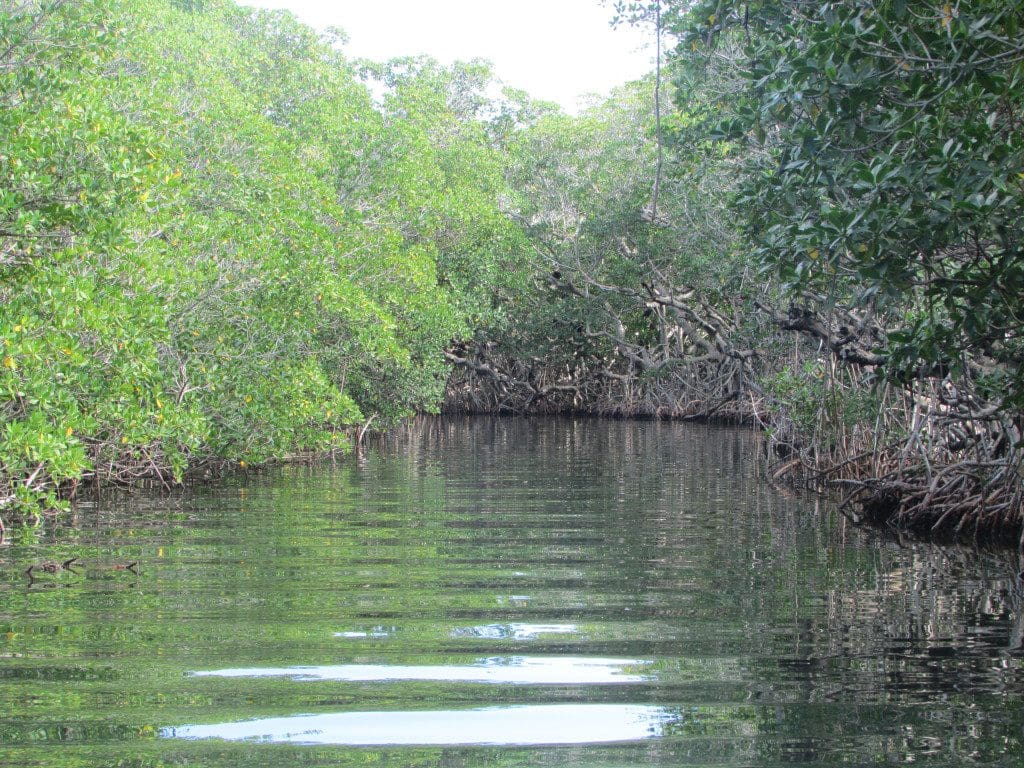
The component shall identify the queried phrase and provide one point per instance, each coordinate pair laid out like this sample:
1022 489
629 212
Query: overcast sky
556 50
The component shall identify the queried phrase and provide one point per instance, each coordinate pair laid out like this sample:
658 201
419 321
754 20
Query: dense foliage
895 169
822 235
215 246
223 241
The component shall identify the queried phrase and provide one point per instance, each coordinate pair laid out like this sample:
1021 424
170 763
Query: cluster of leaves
814 403
889 171
214 245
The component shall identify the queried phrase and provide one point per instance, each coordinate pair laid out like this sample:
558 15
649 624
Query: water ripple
517 670
517 725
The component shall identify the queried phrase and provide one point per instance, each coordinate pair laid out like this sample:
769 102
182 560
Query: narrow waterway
505 592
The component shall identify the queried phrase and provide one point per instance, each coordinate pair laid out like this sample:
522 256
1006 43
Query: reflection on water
356 634
506 592
523 725
515 631
519 670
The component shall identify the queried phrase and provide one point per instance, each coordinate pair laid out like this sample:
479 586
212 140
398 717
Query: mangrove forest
224 243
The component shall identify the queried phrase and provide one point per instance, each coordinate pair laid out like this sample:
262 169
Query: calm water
505 593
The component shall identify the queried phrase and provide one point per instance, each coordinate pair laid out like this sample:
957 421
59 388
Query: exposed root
925 457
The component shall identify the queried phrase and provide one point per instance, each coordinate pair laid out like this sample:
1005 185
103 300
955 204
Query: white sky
555 50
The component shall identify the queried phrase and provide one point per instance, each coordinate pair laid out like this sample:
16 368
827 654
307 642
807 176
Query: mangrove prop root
928 459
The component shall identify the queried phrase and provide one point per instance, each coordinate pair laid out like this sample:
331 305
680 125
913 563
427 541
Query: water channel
505 592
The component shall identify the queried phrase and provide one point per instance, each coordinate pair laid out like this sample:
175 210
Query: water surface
503 592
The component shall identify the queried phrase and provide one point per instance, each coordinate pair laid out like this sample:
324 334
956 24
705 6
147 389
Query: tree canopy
216 246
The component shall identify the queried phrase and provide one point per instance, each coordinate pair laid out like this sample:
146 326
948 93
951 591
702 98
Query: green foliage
801 394
214 246
583 184
818 407
893 165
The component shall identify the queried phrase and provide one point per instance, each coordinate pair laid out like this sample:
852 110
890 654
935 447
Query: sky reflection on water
522 670
518 725
515 631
